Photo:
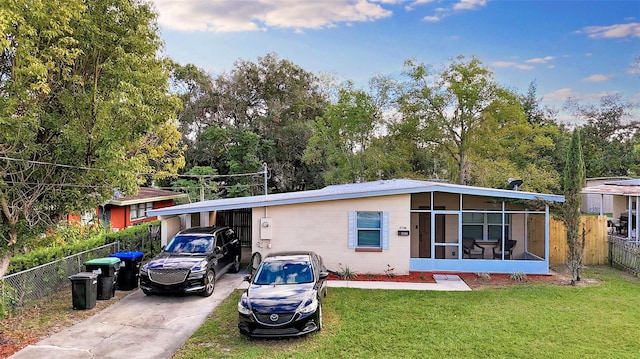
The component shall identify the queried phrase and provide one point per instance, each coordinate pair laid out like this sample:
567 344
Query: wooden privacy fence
595 246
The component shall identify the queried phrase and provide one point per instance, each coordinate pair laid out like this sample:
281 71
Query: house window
88 217
485 226
369 225
137 211
369 230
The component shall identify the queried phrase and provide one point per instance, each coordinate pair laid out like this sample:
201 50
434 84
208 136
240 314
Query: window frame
486 223
139 210
354 231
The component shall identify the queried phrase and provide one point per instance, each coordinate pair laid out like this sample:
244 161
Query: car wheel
235 267
319 317
209 284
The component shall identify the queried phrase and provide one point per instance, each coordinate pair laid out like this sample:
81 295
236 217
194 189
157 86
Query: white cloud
469 4
631 29
431 18
564 94
443 12
256 15
413 4
509 64
597 78
540 60
560 95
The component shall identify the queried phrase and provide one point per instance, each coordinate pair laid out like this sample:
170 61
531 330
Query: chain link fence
44 280
41 281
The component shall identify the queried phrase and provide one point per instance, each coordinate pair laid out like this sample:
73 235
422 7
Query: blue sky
581 49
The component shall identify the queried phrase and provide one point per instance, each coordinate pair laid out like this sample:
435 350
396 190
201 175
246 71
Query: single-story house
125 211
619 199
403 224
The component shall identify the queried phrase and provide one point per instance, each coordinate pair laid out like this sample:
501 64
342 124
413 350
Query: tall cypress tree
573 182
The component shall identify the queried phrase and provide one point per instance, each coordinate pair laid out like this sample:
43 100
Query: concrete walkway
140 326
443 282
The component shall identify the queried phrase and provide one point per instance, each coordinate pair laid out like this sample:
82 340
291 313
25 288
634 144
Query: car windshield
284 273
190 244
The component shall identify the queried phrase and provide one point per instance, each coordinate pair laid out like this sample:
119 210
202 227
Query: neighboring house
599 202
124 211
619 199
404 225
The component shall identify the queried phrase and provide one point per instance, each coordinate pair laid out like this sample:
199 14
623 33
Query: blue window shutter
352 230
385 230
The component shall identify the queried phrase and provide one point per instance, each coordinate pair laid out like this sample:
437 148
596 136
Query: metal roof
146 194
629 188
349 191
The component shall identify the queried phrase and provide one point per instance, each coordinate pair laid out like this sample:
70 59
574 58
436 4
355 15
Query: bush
133 238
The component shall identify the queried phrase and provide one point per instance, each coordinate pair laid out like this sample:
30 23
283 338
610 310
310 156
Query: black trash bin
129 268
84 290
107 270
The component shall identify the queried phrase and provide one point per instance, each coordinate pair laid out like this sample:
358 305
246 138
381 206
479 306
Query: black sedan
192 262
284 298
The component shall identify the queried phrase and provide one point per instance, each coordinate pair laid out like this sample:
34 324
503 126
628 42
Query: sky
580 49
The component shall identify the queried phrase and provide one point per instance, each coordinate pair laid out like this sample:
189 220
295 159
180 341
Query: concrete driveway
137 326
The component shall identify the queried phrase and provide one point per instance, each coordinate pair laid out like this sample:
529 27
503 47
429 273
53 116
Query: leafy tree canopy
84 108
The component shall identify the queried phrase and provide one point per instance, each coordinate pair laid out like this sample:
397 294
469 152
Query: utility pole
266 169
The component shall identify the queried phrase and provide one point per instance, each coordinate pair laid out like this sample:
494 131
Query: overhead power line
138 173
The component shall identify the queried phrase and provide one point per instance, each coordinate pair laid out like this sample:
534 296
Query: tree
84 109
573 182
272 98
463 127
344 137
608 135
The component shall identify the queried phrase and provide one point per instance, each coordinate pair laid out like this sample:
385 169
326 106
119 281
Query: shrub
133 238
389 271
346 272
518 276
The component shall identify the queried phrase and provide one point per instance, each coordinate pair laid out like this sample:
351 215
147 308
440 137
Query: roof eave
117 202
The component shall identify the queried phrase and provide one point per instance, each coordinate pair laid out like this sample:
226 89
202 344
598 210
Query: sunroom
473 230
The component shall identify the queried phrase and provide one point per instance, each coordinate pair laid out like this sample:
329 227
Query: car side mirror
217 250
247 278
324 275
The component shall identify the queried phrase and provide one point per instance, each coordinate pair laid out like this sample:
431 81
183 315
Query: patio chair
471 249
509 244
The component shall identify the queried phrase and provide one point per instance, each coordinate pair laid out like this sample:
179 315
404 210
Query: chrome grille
275 332
265 319
168 276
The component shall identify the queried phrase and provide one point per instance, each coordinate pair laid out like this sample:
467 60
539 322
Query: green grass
524 321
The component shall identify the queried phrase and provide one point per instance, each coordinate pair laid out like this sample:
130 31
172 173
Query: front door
424 223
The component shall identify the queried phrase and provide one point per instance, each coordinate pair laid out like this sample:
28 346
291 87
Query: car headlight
144 270
243 307
197 273
309 306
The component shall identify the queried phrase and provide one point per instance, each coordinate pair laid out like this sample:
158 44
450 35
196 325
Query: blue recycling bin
129 269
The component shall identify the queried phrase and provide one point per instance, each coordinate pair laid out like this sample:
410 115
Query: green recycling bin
84 290
107 270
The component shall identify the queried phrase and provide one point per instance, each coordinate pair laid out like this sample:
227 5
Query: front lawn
534 320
